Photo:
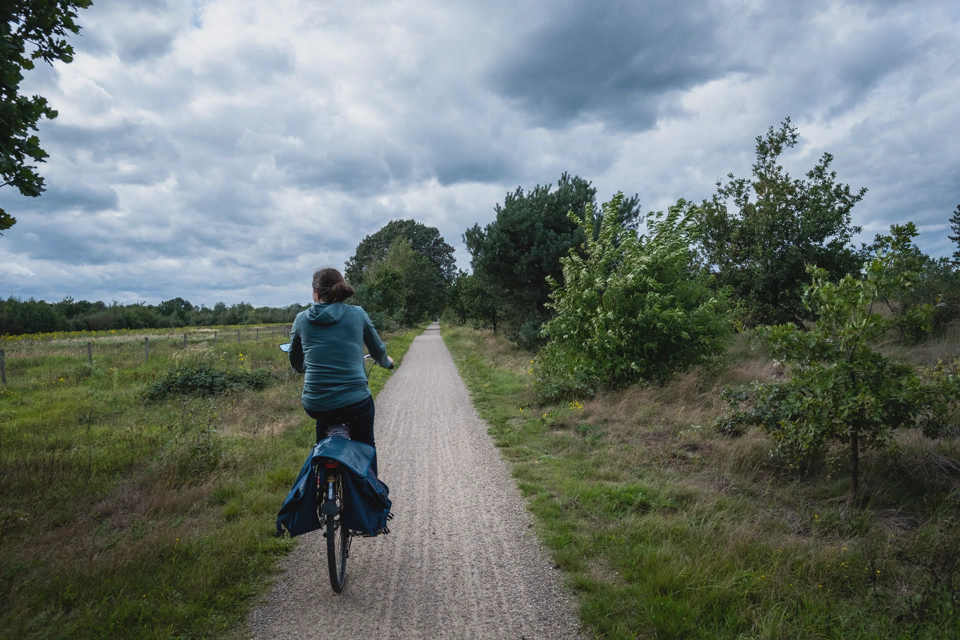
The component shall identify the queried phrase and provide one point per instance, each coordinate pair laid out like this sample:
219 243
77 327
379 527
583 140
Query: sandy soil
461 560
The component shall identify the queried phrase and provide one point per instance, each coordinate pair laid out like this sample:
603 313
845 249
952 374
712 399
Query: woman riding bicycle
326 343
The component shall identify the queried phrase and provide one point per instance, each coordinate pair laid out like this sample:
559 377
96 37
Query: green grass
666 529
121 518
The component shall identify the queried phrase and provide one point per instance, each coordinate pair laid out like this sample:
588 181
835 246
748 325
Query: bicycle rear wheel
338 543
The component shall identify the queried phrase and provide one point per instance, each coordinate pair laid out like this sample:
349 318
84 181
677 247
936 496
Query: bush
631 308
382 322
937 282
204 380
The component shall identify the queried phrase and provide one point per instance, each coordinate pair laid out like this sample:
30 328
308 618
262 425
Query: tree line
18 316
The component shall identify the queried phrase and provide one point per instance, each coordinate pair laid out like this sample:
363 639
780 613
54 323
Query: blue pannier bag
299 510
366 499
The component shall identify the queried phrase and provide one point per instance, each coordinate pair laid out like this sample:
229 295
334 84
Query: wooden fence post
184 341
90 353
238 336
214 338
3 366
257 337
146 349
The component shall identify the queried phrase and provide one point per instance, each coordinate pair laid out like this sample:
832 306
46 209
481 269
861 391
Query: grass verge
666 529
121 518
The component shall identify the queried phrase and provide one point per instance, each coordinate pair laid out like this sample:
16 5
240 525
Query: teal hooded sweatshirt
326 343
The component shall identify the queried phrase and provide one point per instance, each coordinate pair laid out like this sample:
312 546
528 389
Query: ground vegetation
136 502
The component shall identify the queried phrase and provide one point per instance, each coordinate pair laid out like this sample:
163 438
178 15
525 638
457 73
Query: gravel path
461 560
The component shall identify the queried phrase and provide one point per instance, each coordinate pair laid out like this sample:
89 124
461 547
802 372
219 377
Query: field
128 517
667 529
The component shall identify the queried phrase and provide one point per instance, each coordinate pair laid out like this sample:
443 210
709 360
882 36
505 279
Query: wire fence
20 358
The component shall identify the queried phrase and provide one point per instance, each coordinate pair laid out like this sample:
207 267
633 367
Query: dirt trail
461 560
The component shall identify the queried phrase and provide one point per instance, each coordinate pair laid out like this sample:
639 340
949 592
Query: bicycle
331 503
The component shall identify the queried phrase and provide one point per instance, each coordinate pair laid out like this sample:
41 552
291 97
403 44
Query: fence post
146 349
184 341
3 366
214 338
257 338
90 353
238 336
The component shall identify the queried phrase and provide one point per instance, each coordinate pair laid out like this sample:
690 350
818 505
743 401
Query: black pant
358 415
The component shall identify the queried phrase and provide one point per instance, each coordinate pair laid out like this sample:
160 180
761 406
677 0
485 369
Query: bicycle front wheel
338 547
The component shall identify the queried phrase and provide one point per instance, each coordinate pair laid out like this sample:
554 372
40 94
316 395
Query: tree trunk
854 463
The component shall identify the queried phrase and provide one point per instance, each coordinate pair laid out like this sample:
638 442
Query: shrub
631 307
382 322
203 380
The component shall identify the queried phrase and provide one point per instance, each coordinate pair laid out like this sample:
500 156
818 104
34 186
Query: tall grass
667 529
121 518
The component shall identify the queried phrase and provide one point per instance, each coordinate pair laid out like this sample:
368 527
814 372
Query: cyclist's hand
391 362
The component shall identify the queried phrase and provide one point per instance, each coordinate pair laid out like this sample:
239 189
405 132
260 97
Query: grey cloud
610 60
334 165
60 196
146 30
250 66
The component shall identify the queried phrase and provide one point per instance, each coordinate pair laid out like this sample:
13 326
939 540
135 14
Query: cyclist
326 343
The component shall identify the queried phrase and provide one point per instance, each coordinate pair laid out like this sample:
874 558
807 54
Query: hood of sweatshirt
326 314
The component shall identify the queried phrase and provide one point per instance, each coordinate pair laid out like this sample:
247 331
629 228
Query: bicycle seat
342 430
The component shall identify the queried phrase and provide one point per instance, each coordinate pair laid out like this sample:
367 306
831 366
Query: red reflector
331 464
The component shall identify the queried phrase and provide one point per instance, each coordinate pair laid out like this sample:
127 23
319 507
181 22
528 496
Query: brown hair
330 285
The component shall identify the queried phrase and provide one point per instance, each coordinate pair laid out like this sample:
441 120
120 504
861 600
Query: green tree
458 301
176 307
955 227
632 307
32 30
759 235
927 281
524 244
841 389
485 303
423 239
405 285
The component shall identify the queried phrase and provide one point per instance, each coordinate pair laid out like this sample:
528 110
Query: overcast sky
224 149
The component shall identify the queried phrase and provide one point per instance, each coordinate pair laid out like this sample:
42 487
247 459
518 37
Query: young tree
841 389
630 308
423 239
759 235
31 30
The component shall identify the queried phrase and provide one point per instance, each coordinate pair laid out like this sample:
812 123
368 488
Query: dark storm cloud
611 60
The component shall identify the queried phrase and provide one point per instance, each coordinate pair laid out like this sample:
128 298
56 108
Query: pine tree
955 226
